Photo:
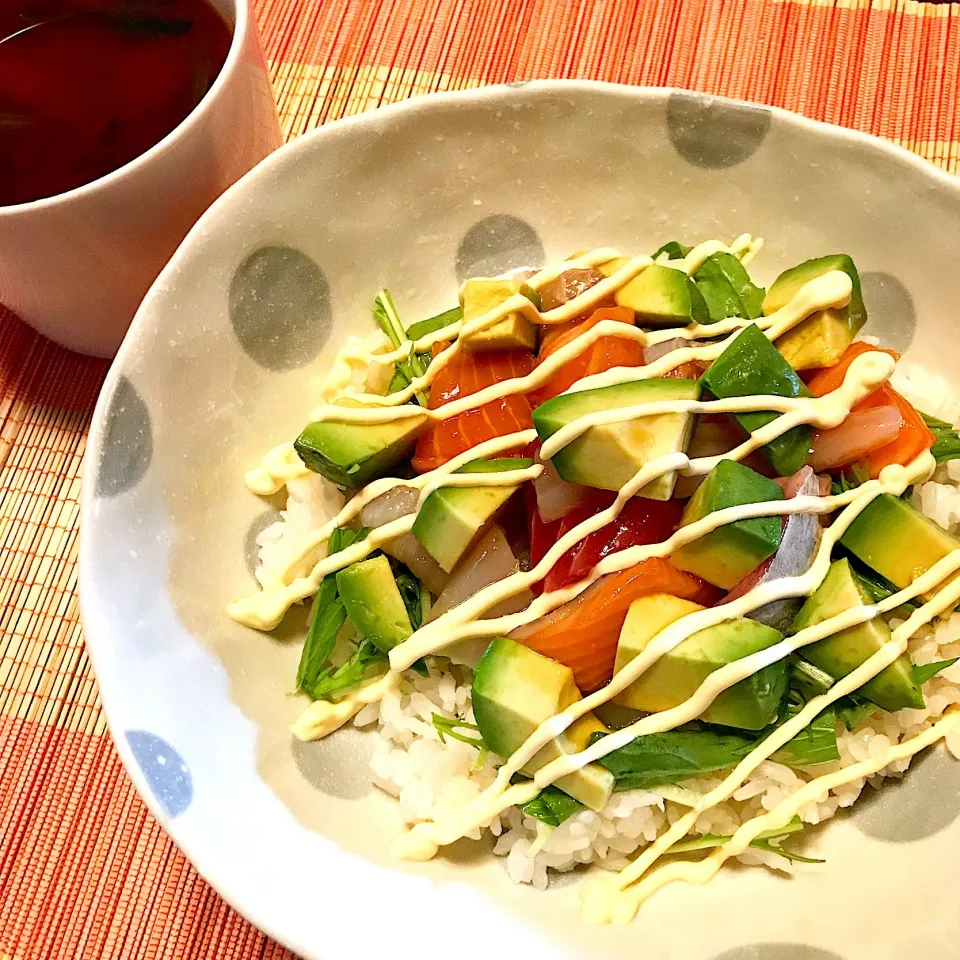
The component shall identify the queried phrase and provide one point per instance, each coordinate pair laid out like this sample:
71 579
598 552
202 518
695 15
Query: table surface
85 871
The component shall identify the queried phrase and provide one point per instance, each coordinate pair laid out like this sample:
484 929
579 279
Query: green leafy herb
673 249
412 592
854 477
807 677
332 682
659 759
770 840
852 711
946 441
878 587
423 327
551 806
448 727
664 758
816 743
327 617
385 313
921 674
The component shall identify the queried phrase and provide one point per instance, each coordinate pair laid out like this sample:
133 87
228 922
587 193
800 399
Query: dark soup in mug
88 85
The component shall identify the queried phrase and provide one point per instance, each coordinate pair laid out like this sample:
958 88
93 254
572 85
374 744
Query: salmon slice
583 633
605 354
463 376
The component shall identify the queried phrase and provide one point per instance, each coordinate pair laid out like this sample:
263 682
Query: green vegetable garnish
327 617
805 675
946 444
412 366
929 670
448 727
442 320
335 681
855 476
673 249
852 711
552 806
770 840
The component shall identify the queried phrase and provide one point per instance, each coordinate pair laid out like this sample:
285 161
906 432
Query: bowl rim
393 113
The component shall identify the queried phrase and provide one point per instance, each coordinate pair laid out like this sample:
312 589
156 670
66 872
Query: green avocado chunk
512 332
663 297
752 366
352 454
452 519
514 691
608 455
373 602
841 653
820 339
726 555
750 704
897 541
727 288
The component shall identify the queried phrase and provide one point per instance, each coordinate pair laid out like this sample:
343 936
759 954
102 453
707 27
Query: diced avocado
512 332
727 288
820 339
897 541
514 691
725 555
608 455
452 519
750 704
841 653
422 327
663 297
753 366
352 454
372 599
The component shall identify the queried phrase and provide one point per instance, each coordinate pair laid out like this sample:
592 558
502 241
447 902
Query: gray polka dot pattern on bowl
891 314
127 443
924 802
251 549
715 134
338 765
498 243
280 307
167 775
777 951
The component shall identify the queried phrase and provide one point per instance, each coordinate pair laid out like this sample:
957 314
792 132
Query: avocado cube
662 297
609 455
750 704
727 288
841 653
452 519
753 366
820 339
512 332
898 541
726 555
352 454
514 691
373 603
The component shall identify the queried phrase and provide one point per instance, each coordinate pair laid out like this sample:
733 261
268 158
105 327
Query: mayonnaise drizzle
617 899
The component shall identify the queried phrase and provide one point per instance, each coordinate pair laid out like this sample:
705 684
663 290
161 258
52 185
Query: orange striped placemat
85 872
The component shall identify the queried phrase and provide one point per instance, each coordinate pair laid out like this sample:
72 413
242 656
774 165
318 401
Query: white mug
76 266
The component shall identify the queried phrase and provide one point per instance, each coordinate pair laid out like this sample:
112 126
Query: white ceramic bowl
222 361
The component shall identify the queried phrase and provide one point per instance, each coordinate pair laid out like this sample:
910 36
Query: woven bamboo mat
85 872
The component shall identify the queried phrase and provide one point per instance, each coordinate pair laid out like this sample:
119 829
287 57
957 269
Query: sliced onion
798 548
861 432
396 503
555 496
490 560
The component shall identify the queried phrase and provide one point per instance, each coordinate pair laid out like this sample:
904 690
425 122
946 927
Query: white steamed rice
428 776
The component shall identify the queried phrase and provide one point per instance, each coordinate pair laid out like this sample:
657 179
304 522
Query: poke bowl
493 543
